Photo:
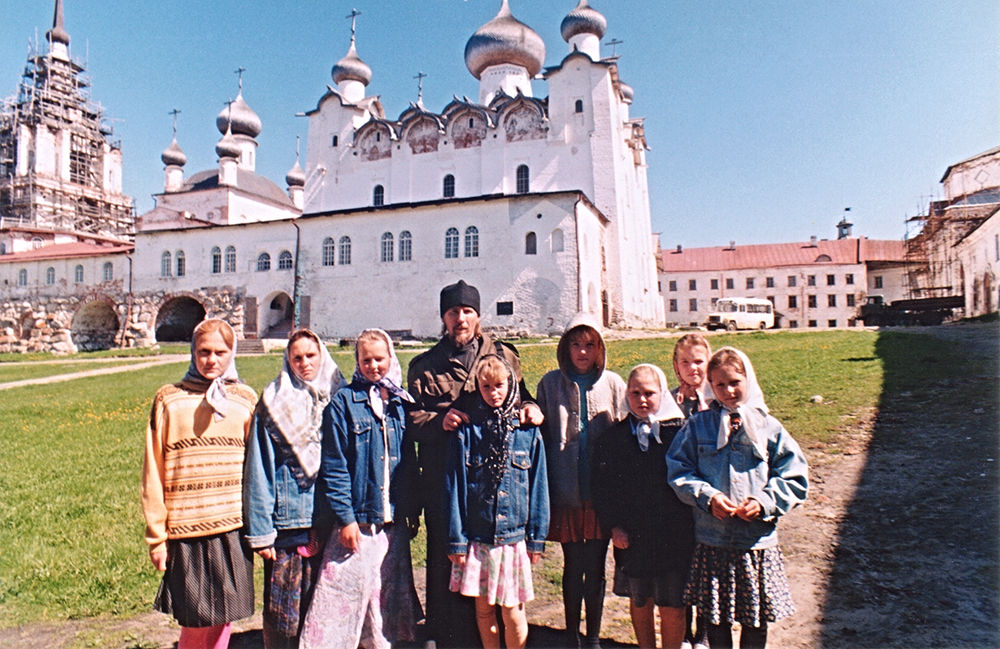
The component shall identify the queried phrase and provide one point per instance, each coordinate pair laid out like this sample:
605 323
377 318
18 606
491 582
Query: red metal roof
770 255
64 251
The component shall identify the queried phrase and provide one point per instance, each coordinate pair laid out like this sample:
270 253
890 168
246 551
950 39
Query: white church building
542 203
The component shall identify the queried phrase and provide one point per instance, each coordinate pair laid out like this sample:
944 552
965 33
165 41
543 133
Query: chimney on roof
732 245
812 241
679 249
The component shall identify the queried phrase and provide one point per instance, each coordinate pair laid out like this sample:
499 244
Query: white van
734 313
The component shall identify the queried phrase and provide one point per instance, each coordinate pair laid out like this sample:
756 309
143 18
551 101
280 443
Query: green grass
70 521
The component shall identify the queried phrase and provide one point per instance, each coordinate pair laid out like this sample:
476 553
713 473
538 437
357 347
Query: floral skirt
288 588
731 585
501 573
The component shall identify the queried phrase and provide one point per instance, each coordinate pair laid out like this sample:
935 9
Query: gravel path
59 378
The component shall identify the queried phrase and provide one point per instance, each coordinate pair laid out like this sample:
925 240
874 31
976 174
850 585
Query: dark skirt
288 589
572 525
731 585
208 582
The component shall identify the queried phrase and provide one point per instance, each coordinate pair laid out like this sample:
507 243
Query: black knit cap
459 294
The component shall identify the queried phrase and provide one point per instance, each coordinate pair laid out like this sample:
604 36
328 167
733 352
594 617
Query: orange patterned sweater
192 475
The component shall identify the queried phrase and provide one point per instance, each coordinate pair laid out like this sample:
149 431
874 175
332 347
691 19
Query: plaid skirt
208 582
732 585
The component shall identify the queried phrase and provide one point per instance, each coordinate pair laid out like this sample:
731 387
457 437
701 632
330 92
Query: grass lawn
70 522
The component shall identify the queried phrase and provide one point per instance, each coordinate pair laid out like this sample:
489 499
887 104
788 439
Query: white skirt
501 573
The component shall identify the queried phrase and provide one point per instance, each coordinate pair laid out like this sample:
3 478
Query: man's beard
463 338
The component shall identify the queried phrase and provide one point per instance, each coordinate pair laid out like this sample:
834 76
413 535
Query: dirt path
59 378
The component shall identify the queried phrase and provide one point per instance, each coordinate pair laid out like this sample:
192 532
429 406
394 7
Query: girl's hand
266 553
350 537
453 419
457 559
534 557
532 415
721 507
619 538
159 559
749 510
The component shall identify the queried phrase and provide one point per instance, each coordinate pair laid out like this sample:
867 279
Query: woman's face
304 357
644 395
583 350
729 386
691 365
373 359
212 355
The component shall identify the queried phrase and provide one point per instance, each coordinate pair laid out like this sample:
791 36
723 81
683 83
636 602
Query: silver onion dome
239 118
583 20
504 39
351 67
228 147
627 93
295 176
173 156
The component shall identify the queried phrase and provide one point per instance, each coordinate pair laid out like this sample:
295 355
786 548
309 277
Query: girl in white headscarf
282 463
191 483
652 531
741 471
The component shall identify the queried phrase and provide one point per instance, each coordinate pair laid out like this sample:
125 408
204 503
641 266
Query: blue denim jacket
351 472
521 507
272 499
698 471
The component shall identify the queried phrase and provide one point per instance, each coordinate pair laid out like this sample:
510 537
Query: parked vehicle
734 313
924 311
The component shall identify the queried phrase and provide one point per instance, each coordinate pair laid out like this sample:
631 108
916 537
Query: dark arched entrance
95 326
277 317
177 319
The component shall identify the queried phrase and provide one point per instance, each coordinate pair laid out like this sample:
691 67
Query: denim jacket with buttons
272 499
351 475
520 509
697 471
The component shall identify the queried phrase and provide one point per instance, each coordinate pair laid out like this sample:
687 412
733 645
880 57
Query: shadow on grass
916 563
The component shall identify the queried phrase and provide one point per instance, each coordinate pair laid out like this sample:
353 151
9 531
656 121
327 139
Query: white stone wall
65 284
980 172
979 257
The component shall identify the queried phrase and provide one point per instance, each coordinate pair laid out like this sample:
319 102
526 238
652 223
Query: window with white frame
78 274
285 261
405 246
50 276
344 251
230 259
472 241
388 247
180 263
263 262
109 271
451 243
165 263
216 260
329 252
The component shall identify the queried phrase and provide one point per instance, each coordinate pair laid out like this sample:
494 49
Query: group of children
318 478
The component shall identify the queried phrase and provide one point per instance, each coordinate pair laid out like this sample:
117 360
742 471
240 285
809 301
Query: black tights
583 581
720 636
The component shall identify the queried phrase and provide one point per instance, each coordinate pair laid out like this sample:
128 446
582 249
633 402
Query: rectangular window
878 281
659 286
793 324
831 300
730 284
831 323
769 282
715 285
692 285
792 281
715 301
850 299
749 282
673 306
812 323
793 302
831 280
672 285
849 278
693 304
811 280
811 301
505 308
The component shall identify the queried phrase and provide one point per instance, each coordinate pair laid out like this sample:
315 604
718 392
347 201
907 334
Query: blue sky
766 118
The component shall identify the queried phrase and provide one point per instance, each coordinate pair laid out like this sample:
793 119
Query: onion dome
240 118
228 147
295 176
173 156
58 33
583 20
504 39
351 68
627 93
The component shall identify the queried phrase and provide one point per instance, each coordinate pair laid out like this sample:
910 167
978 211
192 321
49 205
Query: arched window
230 259
50 276
165 264
216 260
180 262
472 241
109 271
451 243
78 274
523 179
531 244
449 186
329 251
36 243
405 246
387 247
579 105
378 195
263 262
557 241
22 277
285 260
344 251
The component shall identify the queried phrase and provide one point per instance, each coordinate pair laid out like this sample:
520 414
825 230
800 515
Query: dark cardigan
630 491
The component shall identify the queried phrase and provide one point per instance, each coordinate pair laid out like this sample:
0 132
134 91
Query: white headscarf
650 425
752 410
296 408
392 381
215 391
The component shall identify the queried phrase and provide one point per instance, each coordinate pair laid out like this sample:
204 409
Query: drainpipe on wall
297 277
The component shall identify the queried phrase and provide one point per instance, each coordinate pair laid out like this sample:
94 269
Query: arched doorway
177 319
277 315
94 326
